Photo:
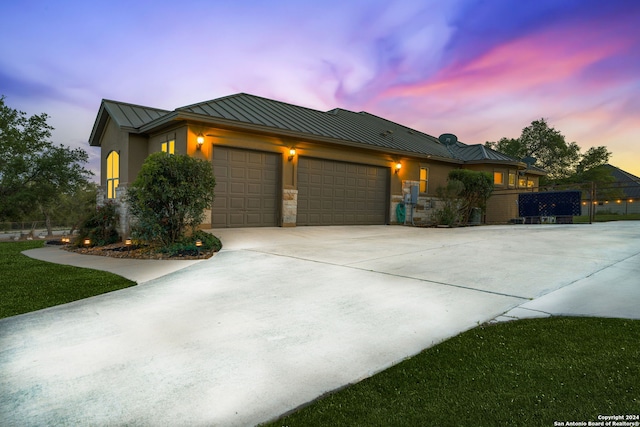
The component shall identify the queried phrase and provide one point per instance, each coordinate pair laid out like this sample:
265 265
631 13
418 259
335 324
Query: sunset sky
479 69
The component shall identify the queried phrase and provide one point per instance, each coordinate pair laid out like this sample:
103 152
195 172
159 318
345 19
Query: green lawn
27 284
522 373
606 218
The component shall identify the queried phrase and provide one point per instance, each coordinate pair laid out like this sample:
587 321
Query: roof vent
386 132
448 138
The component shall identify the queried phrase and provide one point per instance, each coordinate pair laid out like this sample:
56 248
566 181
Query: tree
560 159
593 158
34 172
73 208
169 196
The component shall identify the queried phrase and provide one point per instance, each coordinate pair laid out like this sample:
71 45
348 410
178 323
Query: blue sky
479 69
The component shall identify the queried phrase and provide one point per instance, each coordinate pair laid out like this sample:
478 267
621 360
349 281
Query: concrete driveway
281 316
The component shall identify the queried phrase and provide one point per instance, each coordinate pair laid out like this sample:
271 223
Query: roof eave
233 124
98 126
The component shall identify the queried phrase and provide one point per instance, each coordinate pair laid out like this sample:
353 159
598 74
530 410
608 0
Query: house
278 164
621 197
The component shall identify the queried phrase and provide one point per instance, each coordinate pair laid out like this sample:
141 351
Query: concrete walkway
281 316
138 270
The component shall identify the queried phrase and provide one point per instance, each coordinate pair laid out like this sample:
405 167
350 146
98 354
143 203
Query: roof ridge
133 105
397 124
243 94
631 176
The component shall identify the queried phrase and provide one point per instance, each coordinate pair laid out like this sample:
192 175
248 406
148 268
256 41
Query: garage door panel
344 193
254 189
236 203
254 174
247 188
238 188
238 172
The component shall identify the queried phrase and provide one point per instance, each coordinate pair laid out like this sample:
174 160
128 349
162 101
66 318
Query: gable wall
114 139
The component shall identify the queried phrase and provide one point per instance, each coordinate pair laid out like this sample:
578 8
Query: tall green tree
561 160
593 158
34 173
169 197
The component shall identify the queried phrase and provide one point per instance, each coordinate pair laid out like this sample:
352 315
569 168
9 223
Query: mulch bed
120 250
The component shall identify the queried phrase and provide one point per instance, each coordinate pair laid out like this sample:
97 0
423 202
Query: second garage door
247 188
339 193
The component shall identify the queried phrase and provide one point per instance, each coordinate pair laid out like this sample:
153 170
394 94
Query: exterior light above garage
398 166
292 153
200 140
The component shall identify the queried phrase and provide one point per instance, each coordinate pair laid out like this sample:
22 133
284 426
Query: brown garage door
247 190
338 193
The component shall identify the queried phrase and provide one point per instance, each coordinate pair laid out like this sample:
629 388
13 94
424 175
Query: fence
34 229
598 202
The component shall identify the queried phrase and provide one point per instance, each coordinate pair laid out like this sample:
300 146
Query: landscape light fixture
292 153
87 242
200 140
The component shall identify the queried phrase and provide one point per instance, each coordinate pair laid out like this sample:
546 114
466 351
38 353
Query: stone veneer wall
422 211
289 207
121 208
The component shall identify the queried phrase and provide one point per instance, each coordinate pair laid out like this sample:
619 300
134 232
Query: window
512 179
522 182
424 180
169 146
529 183
113 174
498 178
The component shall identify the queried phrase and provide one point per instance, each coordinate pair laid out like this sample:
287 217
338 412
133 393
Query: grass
27 284
606 217
522 373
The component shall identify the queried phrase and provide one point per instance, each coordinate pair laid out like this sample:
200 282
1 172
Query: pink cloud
549 58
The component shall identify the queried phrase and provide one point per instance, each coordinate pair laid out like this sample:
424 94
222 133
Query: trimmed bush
100 227
187 245
169 196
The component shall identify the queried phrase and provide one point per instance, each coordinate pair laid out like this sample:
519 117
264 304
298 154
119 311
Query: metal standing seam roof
628 183
336 124
128 116
478 152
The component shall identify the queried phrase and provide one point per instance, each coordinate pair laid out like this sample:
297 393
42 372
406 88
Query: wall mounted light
292 153
397 167
200 140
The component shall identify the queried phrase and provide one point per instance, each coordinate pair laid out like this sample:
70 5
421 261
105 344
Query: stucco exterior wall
114 139
134 149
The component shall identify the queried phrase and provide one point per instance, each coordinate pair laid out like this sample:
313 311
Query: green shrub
449 211
186 246
477 187
100 227
169 196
